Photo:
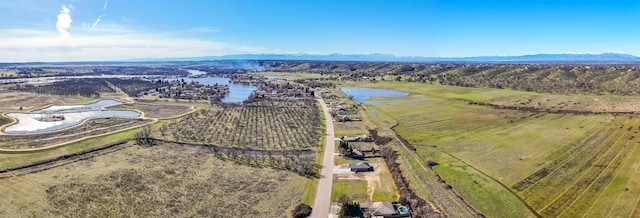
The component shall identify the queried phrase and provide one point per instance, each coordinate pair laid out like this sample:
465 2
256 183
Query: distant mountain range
561 58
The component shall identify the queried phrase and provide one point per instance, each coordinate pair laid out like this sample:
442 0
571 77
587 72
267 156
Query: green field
560 165
354 189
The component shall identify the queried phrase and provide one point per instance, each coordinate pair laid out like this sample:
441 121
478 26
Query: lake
30 122
237 92
74 108
363 94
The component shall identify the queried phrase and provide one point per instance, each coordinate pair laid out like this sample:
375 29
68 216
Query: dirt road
322 203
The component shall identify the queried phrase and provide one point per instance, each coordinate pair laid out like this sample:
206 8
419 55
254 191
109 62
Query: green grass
343 160
427 121
589 161
355 189
510 97
4 120
349 128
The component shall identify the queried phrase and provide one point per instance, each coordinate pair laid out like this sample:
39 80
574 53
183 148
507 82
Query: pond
237 92
363 94
74 108
38 122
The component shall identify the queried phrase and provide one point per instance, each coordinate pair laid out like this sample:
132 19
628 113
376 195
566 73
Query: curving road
322 203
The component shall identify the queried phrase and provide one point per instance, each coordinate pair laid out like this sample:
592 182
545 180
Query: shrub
302 210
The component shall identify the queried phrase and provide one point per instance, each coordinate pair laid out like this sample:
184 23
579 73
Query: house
365 138
359 138
342 111
383 209
345 118
329 96
357 154
351 138
360 166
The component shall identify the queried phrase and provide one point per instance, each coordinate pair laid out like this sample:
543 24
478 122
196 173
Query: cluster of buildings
179 89
281 92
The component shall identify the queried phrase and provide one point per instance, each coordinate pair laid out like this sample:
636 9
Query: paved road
322 204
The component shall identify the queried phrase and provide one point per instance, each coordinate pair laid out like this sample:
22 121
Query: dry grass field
156 110
161 181
14 100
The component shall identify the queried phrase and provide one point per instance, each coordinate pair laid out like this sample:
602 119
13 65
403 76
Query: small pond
36 122
363 94
74 108
237 92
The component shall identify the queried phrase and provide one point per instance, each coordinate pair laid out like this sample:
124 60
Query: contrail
96 23
106 3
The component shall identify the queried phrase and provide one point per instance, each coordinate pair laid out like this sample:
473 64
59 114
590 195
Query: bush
351 210
301 211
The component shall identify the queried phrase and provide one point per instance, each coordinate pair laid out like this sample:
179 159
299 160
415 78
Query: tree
301 211
351 210
344 147
143 138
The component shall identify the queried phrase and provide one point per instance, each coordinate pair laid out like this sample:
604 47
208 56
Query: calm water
30 122
237 92
363 94
74 108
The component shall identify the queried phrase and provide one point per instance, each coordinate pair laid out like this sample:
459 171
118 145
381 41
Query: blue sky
76 30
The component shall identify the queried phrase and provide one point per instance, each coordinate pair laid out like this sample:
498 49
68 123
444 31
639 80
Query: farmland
256 126
559 164
164 180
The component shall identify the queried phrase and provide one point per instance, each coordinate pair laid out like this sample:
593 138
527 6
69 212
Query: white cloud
102 46
96 23
106 3
64 22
